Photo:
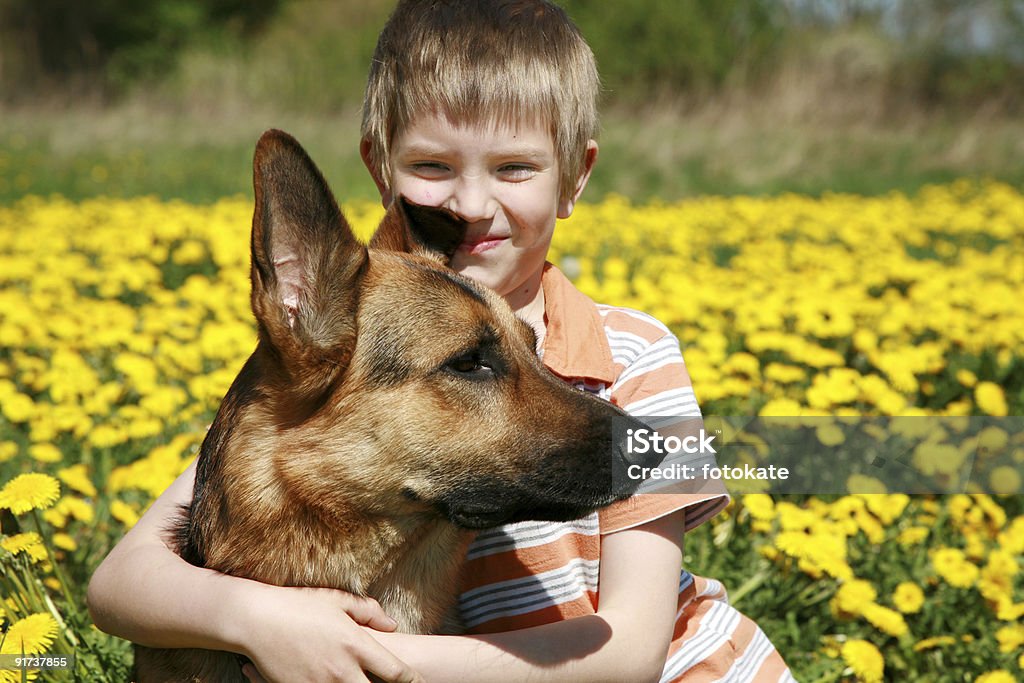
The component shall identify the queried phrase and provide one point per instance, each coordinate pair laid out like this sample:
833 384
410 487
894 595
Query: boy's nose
471 201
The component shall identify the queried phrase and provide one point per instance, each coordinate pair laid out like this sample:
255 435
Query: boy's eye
517 171
429 169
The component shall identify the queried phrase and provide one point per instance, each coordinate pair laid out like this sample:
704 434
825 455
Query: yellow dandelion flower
974 546
966 377
189 252
931 458
830 434
870 526
835 567
784 374
760 505
792 518
908 597
937 641
780 407
31 635
105 436
123 513
45 452
810 568
65 542
29 542
994 586
990 398
863 484
1011 638
993 511
8 449
80 509
887 508
886 620
992 439
1005 480
853 596
865 340
952 565
866 661
1012 539
913 535
56 516
1002 562
18 542
958 506
18 408
1007 610
77 479
29 492
997 676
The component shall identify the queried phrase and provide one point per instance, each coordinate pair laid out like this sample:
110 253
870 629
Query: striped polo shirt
532 573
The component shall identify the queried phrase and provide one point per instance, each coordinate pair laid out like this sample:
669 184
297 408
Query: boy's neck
527 302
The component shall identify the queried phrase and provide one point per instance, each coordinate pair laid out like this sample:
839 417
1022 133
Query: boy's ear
567 204
374 169
428 231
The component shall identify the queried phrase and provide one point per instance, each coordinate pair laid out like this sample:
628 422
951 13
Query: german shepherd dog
391 406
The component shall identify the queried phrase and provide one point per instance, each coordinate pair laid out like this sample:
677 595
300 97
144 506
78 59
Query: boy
486 108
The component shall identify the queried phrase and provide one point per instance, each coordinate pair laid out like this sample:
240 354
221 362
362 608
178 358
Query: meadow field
827 213
125 320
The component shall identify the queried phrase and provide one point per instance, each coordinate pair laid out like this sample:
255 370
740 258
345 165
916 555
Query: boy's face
502 180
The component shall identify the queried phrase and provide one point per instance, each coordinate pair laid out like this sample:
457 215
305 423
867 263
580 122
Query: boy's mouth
480 243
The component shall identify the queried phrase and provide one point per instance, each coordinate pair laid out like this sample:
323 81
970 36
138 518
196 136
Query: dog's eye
469 365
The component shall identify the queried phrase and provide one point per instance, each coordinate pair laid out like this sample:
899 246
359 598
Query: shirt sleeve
656 384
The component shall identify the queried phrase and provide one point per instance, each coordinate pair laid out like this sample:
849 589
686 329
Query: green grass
142 150
199 154
830 111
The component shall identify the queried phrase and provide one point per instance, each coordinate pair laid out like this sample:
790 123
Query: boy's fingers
368 612
382 665
377 679
401 675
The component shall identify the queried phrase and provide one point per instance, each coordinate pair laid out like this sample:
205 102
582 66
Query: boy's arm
143 591
627 640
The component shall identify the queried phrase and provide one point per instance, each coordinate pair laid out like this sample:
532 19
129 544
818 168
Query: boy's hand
316 634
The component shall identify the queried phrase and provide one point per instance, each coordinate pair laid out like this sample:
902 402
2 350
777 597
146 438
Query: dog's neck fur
409 564
381 559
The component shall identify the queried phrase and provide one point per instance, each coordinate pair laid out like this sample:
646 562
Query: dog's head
397 386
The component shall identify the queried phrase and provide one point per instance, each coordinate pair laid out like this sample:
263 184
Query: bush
688 45
112 42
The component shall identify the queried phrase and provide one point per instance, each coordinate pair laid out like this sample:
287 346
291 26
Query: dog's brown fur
389 406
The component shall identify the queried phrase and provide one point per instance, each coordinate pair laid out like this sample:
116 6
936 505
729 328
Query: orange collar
575 344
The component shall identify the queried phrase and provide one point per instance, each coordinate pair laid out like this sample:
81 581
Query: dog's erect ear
427 231
306 263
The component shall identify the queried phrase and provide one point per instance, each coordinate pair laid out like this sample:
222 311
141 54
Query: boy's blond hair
483 61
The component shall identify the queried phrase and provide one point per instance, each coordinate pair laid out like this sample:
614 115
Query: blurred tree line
927 52
110 44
